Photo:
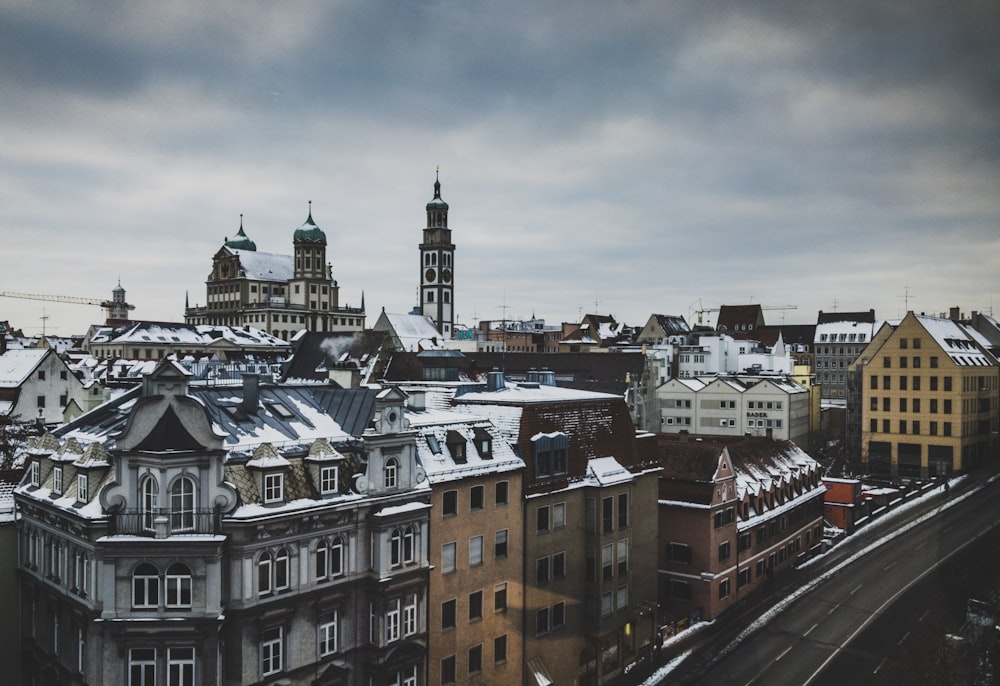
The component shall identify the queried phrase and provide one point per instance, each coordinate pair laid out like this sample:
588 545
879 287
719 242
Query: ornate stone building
279 294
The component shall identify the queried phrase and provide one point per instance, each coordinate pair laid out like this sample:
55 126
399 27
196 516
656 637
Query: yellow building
929 399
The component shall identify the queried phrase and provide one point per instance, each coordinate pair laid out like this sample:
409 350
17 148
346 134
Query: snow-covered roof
266 266
438 427
415 332
522 393
844 332
17 365
170 333
965 346
607 471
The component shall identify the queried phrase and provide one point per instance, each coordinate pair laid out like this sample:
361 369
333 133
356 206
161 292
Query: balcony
163 523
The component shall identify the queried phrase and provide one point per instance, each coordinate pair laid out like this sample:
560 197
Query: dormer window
484 443
57 480
456 446
390 473
81 488
328 477
274 488
35 471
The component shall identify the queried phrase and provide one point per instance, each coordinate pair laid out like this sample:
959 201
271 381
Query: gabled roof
265 266
830 317
414 332
964 345
739 317
17 365
314 353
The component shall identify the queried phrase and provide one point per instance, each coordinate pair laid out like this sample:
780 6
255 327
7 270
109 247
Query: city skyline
621 160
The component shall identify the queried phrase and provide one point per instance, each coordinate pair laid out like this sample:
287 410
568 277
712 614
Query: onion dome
241 241
437 203
309 232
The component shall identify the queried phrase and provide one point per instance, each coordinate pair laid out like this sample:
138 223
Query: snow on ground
786 602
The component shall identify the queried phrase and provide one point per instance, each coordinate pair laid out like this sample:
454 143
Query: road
879 618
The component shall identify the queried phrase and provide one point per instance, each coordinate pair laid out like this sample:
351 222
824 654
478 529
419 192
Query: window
475 659
392 621
271 651
886 404
410 615
475 551
178 586
874 383
396 548
448 670
500 598
182 504
500 544
501 492
679 553
934 362
542 566
142 667
902 404
607 603
281 576
180 666
623 510
449 503
607 515
607 561
476 498
558 515
35 473
390 472
887 383
724 588
81 488
328 479
448 613
902 361
559 615
542 621
408 545
475 605
947 383
621 599
559 565
622 556
947 406
448 558
680 590
934 383
903 383
148 492
542 519
328 636
274 487
500 649
57 480
264 569
723 551
145 587
916 363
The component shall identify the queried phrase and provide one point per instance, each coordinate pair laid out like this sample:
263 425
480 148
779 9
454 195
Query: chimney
251 393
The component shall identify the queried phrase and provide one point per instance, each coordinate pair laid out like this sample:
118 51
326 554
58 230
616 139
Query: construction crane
115 309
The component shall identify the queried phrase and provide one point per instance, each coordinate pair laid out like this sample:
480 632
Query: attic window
456 446
280 410
432 443
36 471
274 488
484 443
551 454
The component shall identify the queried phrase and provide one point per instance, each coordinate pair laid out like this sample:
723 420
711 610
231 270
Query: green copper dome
438 202
241 241
309 232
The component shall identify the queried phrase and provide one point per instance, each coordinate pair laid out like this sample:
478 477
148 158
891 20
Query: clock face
446 275
430 275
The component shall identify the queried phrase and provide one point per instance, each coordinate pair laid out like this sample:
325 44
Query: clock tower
437 266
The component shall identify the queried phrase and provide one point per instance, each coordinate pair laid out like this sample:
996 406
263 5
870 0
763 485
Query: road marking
926 612
905 636
891 564
856 589
810 629
880 665
921 545
831 610
785 652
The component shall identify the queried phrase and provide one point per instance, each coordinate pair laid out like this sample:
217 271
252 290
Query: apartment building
929 399
733 513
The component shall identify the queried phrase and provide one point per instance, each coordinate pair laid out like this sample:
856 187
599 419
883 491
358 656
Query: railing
163 523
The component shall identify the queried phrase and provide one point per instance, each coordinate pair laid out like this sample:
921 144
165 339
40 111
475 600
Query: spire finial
437 182
311 212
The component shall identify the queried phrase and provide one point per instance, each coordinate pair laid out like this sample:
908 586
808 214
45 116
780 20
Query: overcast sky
618 157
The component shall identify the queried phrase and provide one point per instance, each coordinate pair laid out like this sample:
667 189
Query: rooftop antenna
906 299
834 304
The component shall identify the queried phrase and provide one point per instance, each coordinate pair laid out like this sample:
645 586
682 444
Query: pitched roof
732 317
830 317
18 364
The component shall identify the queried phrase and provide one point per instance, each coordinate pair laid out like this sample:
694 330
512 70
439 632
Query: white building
735 406
36 384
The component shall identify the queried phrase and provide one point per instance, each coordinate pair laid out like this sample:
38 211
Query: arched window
281 575
408 544
337 550
322 561
265 566
396 548
390 472
178 583
145 587
434 258
182 504
149 491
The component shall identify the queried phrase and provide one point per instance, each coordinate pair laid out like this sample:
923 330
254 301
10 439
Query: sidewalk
683 656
